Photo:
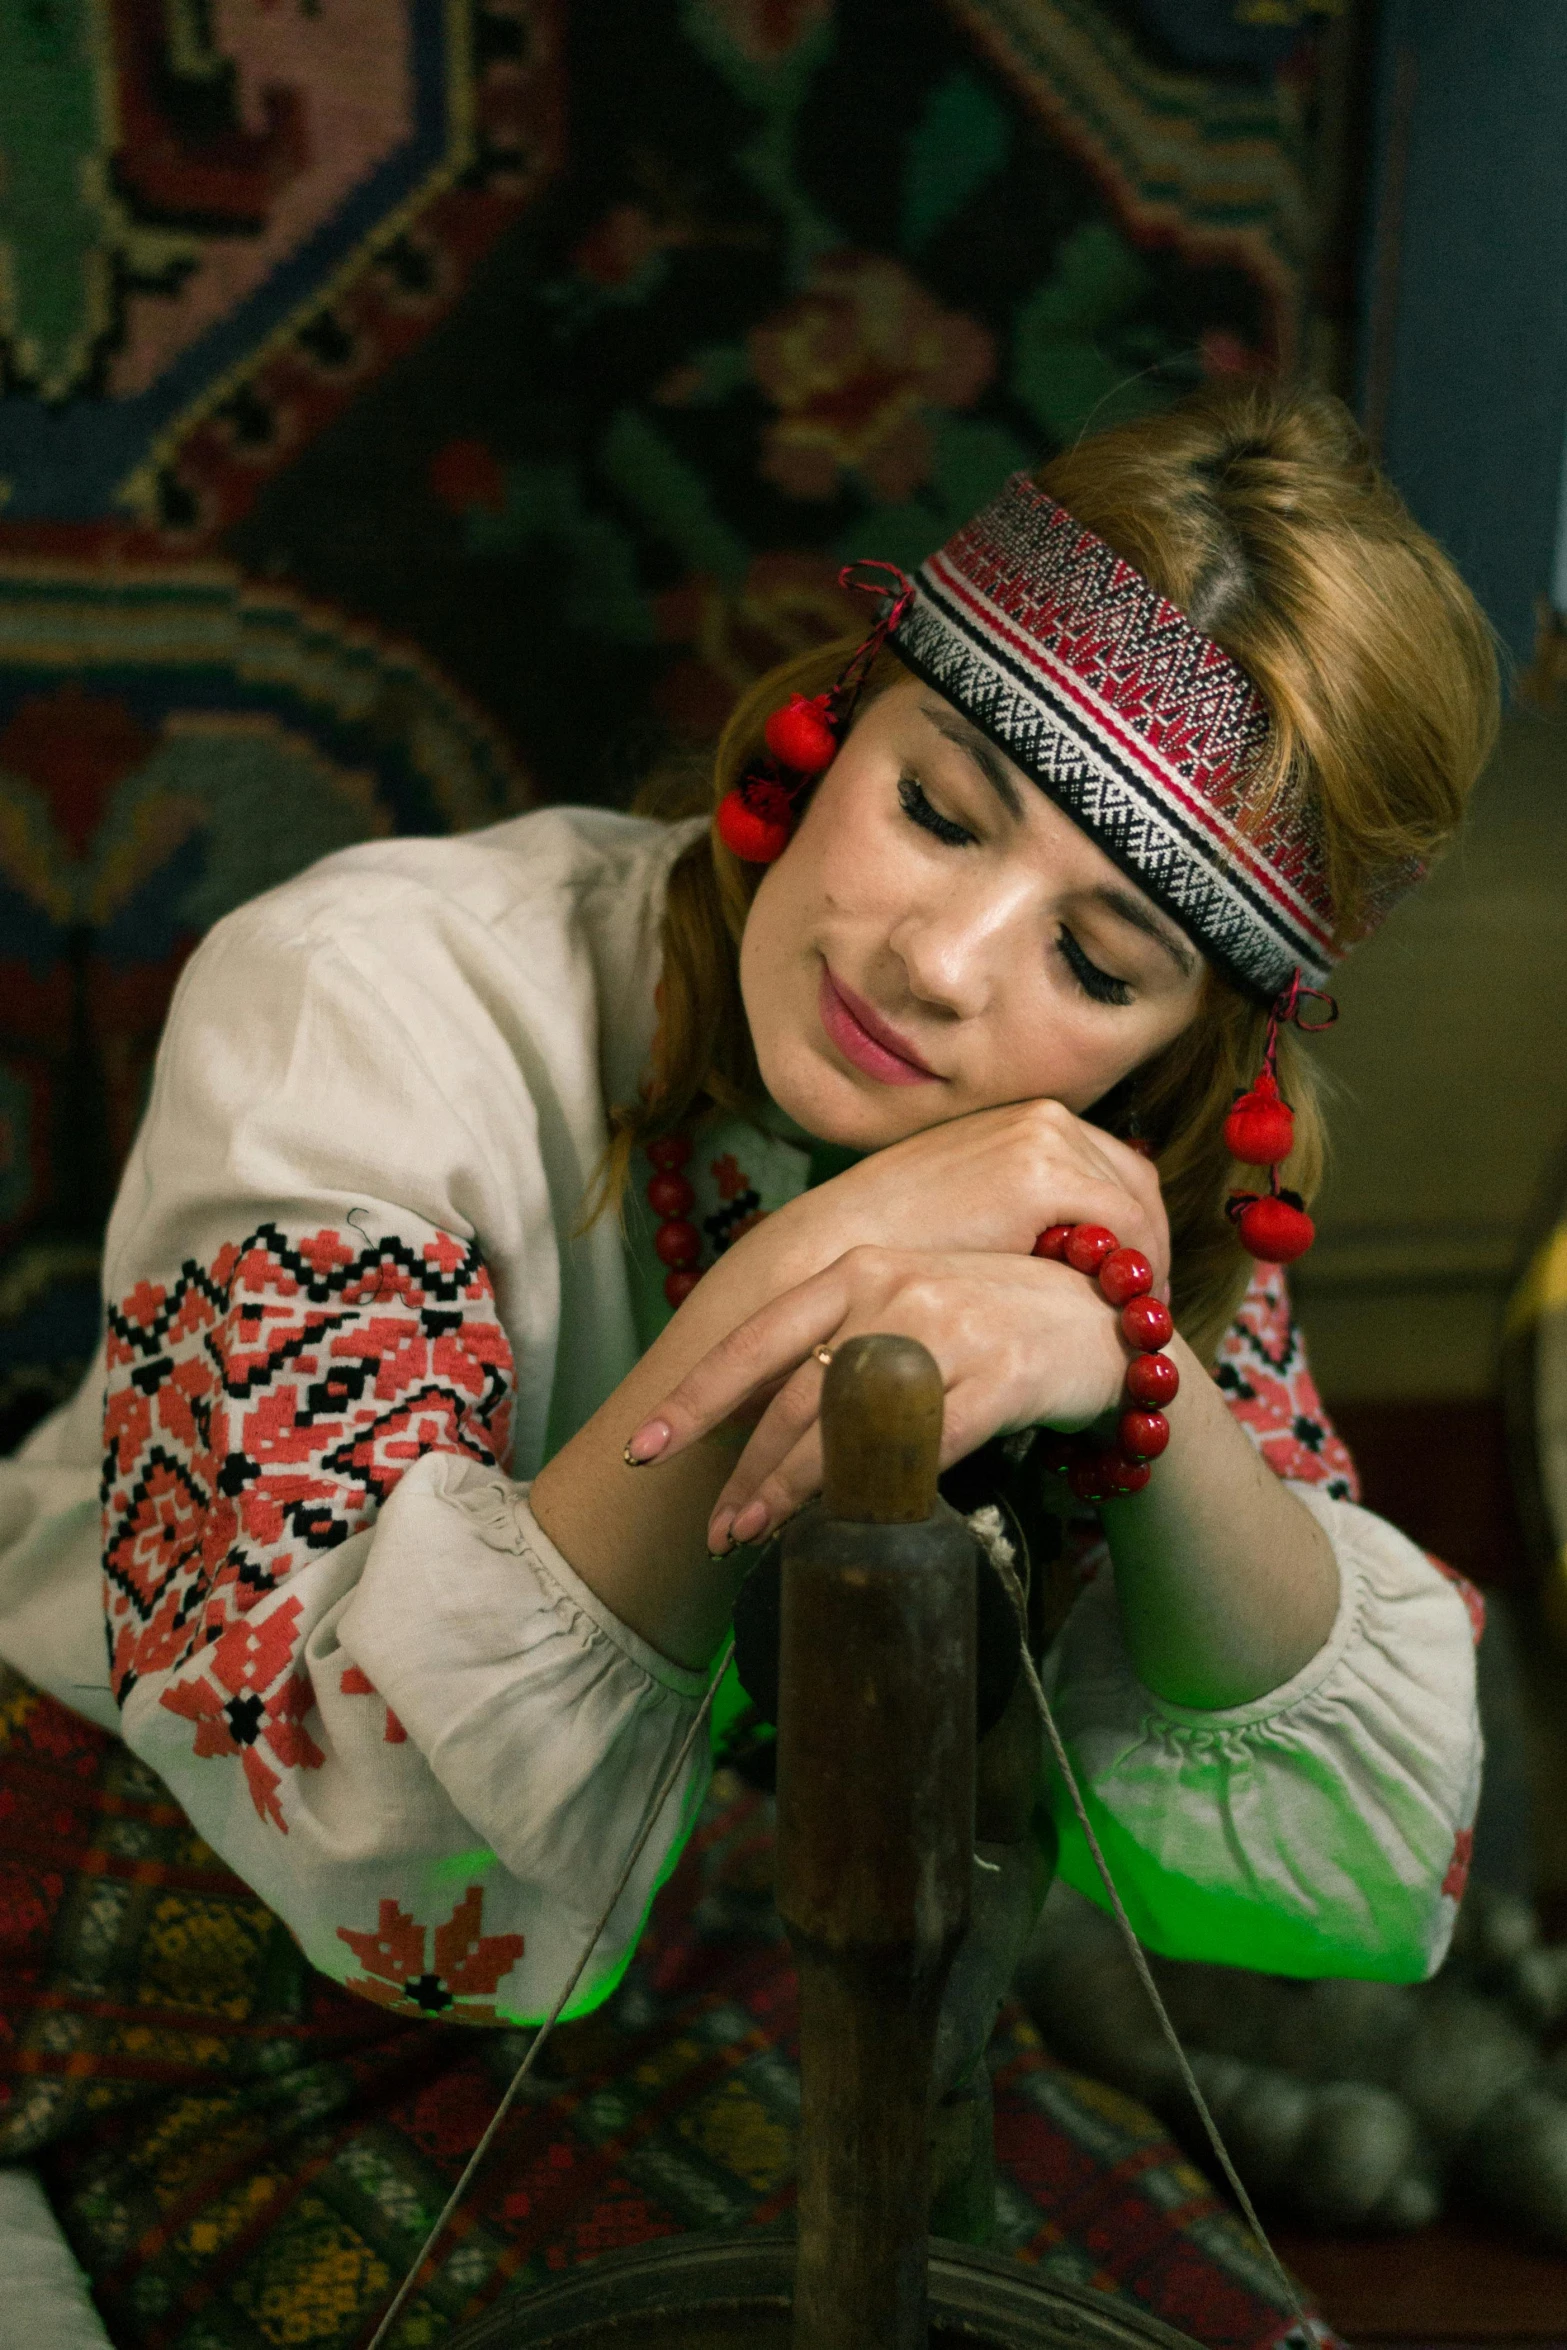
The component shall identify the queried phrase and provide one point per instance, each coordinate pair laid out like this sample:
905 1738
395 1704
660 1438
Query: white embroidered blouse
348 1316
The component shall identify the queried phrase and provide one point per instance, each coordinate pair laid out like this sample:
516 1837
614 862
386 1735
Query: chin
829 1104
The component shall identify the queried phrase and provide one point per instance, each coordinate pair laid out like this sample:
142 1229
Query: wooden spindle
875 1834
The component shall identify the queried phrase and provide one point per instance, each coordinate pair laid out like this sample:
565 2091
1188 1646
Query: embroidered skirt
242 2154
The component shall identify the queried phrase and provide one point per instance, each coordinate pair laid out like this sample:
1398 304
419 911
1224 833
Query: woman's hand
977 1190
1018 1340
990 1181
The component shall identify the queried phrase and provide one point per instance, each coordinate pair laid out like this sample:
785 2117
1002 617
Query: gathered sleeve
1326 1828
336 1630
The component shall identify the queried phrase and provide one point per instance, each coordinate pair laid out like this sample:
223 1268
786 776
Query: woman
425 1506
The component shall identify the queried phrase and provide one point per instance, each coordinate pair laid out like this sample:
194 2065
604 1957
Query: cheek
835 814
815 889
1052 1046
836 851
756 961
774 942
1051 1055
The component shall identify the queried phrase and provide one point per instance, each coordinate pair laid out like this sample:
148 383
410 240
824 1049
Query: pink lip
865 1040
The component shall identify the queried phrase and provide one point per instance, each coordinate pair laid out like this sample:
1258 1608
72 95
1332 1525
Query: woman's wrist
637 1536
1227 1586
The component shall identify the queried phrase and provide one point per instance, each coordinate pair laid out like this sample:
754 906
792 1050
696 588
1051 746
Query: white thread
1139 1960
671 1780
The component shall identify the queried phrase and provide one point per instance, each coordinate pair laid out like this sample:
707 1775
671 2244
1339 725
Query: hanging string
670 1781
1292 2299
868 576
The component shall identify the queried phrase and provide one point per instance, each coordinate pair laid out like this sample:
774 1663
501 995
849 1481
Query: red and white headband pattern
1134 722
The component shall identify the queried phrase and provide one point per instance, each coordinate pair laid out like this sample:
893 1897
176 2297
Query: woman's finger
749 1516
1131 1202
794 1411
786 1488
1088 1177
768 1345
985 1386
773 1342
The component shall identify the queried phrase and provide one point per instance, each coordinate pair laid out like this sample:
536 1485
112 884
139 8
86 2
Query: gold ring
823 1355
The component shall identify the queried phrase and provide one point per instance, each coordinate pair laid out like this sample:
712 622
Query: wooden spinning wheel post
875 1835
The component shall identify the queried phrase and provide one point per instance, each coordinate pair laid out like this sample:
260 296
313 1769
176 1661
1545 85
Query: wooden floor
1457 2283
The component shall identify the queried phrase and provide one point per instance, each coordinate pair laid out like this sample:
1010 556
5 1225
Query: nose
955 948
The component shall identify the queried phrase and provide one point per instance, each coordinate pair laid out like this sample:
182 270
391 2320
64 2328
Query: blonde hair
1258 512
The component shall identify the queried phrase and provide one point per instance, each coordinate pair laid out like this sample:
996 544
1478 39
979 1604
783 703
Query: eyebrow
1123 902
1132 909
989 762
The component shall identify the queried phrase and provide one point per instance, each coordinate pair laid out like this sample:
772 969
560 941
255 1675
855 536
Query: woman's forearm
638 1537
1227 1585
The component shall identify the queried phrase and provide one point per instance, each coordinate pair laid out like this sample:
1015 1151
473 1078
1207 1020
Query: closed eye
919 811
1096 983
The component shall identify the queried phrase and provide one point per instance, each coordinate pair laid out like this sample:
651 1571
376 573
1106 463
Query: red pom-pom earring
757 815
1260 1130
755 820
1272 1225
802 734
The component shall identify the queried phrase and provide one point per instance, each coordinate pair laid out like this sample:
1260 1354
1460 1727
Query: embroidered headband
1134 722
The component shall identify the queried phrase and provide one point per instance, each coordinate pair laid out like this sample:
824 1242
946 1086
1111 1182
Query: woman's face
939 938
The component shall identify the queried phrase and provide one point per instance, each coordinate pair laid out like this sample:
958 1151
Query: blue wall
1476 418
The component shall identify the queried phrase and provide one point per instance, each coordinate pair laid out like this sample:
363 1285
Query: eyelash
1093 982
919 811
1089 977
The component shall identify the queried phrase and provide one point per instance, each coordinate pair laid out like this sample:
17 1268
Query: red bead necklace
1095 1471
677 1243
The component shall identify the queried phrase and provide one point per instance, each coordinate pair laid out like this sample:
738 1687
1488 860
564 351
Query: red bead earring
1272 1225
757 815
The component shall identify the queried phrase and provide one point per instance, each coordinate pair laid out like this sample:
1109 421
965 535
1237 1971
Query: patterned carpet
243 2155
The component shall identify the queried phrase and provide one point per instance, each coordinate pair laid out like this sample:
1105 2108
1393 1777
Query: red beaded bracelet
1094 1471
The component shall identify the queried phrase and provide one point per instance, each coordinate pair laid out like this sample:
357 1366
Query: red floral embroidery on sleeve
1458 1867
1474 1602
247 1694
258 1413
462 1960
359 1684
1265 1379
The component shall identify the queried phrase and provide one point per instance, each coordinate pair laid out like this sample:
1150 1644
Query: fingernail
720 1540
751 1523
647 1443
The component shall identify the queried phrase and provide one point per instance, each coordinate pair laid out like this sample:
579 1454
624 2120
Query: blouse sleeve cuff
1319 1830
559 1580
547 1720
